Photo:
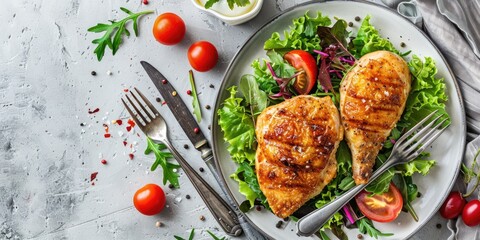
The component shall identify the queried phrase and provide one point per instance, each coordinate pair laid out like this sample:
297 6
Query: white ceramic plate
447 150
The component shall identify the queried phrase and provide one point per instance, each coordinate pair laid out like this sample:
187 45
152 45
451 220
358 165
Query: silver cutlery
406 148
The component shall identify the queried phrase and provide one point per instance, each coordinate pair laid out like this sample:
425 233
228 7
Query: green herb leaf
382 183
215 237
161 160
256 98
416 166
210 3
365 226
196 104
114 30
231 3
192 233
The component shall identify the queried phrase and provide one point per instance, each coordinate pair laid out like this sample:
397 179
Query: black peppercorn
185 146
93 73
350 24
357 18
201 169
279 224
187 196
158 99
171 186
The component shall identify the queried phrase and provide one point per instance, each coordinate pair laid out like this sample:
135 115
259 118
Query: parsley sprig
114 32
196 104
365 226
169 173
231 3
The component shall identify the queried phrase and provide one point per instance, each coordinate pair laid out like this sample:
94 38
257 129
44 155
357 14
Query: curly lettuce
369 40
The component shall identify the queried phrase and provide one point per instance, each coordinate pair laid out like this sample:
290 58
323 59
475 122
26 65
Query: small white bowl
231 20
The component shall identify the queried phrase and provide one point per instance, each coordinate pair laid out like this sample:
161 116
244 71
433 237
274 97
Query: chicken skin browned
295 158
372 99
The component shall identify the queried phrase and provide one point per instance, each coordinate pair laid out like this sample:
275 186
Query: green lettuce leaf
302 34
244 188
416 166
369 40
238 128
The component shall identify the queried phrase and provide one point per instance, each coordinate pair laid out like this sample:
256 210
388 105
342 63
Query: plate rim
271 21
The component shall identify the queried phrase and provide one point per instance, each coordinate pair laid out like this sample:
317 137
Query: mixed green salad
335 50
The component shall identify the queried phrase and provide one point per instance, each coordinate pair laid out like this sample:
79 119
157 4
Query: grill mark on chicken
372 99
295 158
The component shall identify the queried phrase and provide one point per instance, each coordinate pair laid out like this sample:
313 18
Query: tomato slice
381 207
303 61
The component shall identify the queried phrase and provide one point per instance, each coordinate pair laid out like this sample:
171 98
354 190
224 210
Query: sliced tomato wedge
381 207
305 62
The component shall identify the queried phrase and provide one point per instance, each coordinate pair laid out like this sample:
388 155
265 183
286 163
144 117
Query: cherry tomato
149 200
169 29
471 213
202 56
453 205
303 61
381 207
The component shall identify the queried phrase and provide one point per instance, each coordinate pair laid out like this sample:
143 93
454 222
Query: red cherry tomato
453 205
303 61
471 213
149 200
381 207
169 29
202 56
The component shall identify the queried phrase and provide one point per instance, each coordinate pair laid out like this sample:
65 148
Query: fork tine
430 141
141 105
137 110
131 114
426 136
422 131
149 104
409 132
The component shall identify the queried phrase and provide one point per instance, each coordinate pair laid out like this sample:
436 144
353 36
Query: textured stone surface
50 144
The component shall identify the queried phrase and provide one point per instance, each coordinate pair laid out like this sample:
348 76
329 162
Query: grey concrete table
50 144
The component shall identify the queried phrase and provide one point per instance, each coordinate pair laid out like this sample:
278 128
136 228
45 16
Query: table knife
225 215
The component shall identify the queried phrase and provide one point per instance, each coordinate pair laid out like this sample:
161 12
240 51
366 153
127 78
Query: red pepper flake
119 121
104 161
124 143
93 111
125 90
93 176
164 81
163 103
189 92
145 2
131 156
107 135
129 128
93 183
196 130
131 122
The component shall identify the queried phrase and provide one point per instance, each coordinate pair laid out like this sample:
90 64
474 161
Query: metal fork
155 127
407 148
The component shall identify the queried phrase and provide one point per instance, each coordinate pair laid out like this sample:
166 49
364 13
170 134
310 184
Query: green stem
474 164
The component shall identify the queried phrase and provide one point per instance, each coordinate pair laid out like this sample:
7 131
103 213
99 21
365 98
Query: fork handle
313 221
221 210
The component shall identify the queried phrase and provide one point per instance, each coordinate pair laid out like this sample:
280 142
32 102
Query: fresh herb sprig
169 173
196 104
365 226
231 3
192 235
470 173
114 32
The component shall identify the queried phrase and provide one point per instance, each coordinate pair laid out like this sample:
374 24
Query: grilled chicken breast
372 99
295 158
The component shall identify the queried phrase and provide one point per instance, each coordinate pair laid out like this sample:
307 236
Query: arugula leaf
231 3
365 226
161 159
409 193
302 34
196 104
238 128
256 98
115 30
382 183
215 237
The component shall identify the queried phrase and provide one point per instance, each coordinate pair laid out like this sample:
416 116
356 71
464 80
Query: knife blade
189 124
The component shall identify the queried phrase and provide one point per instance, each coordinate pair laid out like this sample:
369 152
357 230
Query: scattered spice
207 107
189 92
258 208
119 121
279 224
212 86
187 196
93 176
131 124
109 72
196 130
171 186
164 81
129 128
125 89
419 194
185 146
439 225
93 73
202 218
93 111
131 156
163 103
174 93
402 44
104 161
209 127
145 2
125 143
357 18
201 169
360 236
82 124
158 99
107 135
158 224
350 24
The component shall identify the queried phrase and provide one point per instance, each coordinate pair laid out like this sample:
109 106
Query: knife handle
221 210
